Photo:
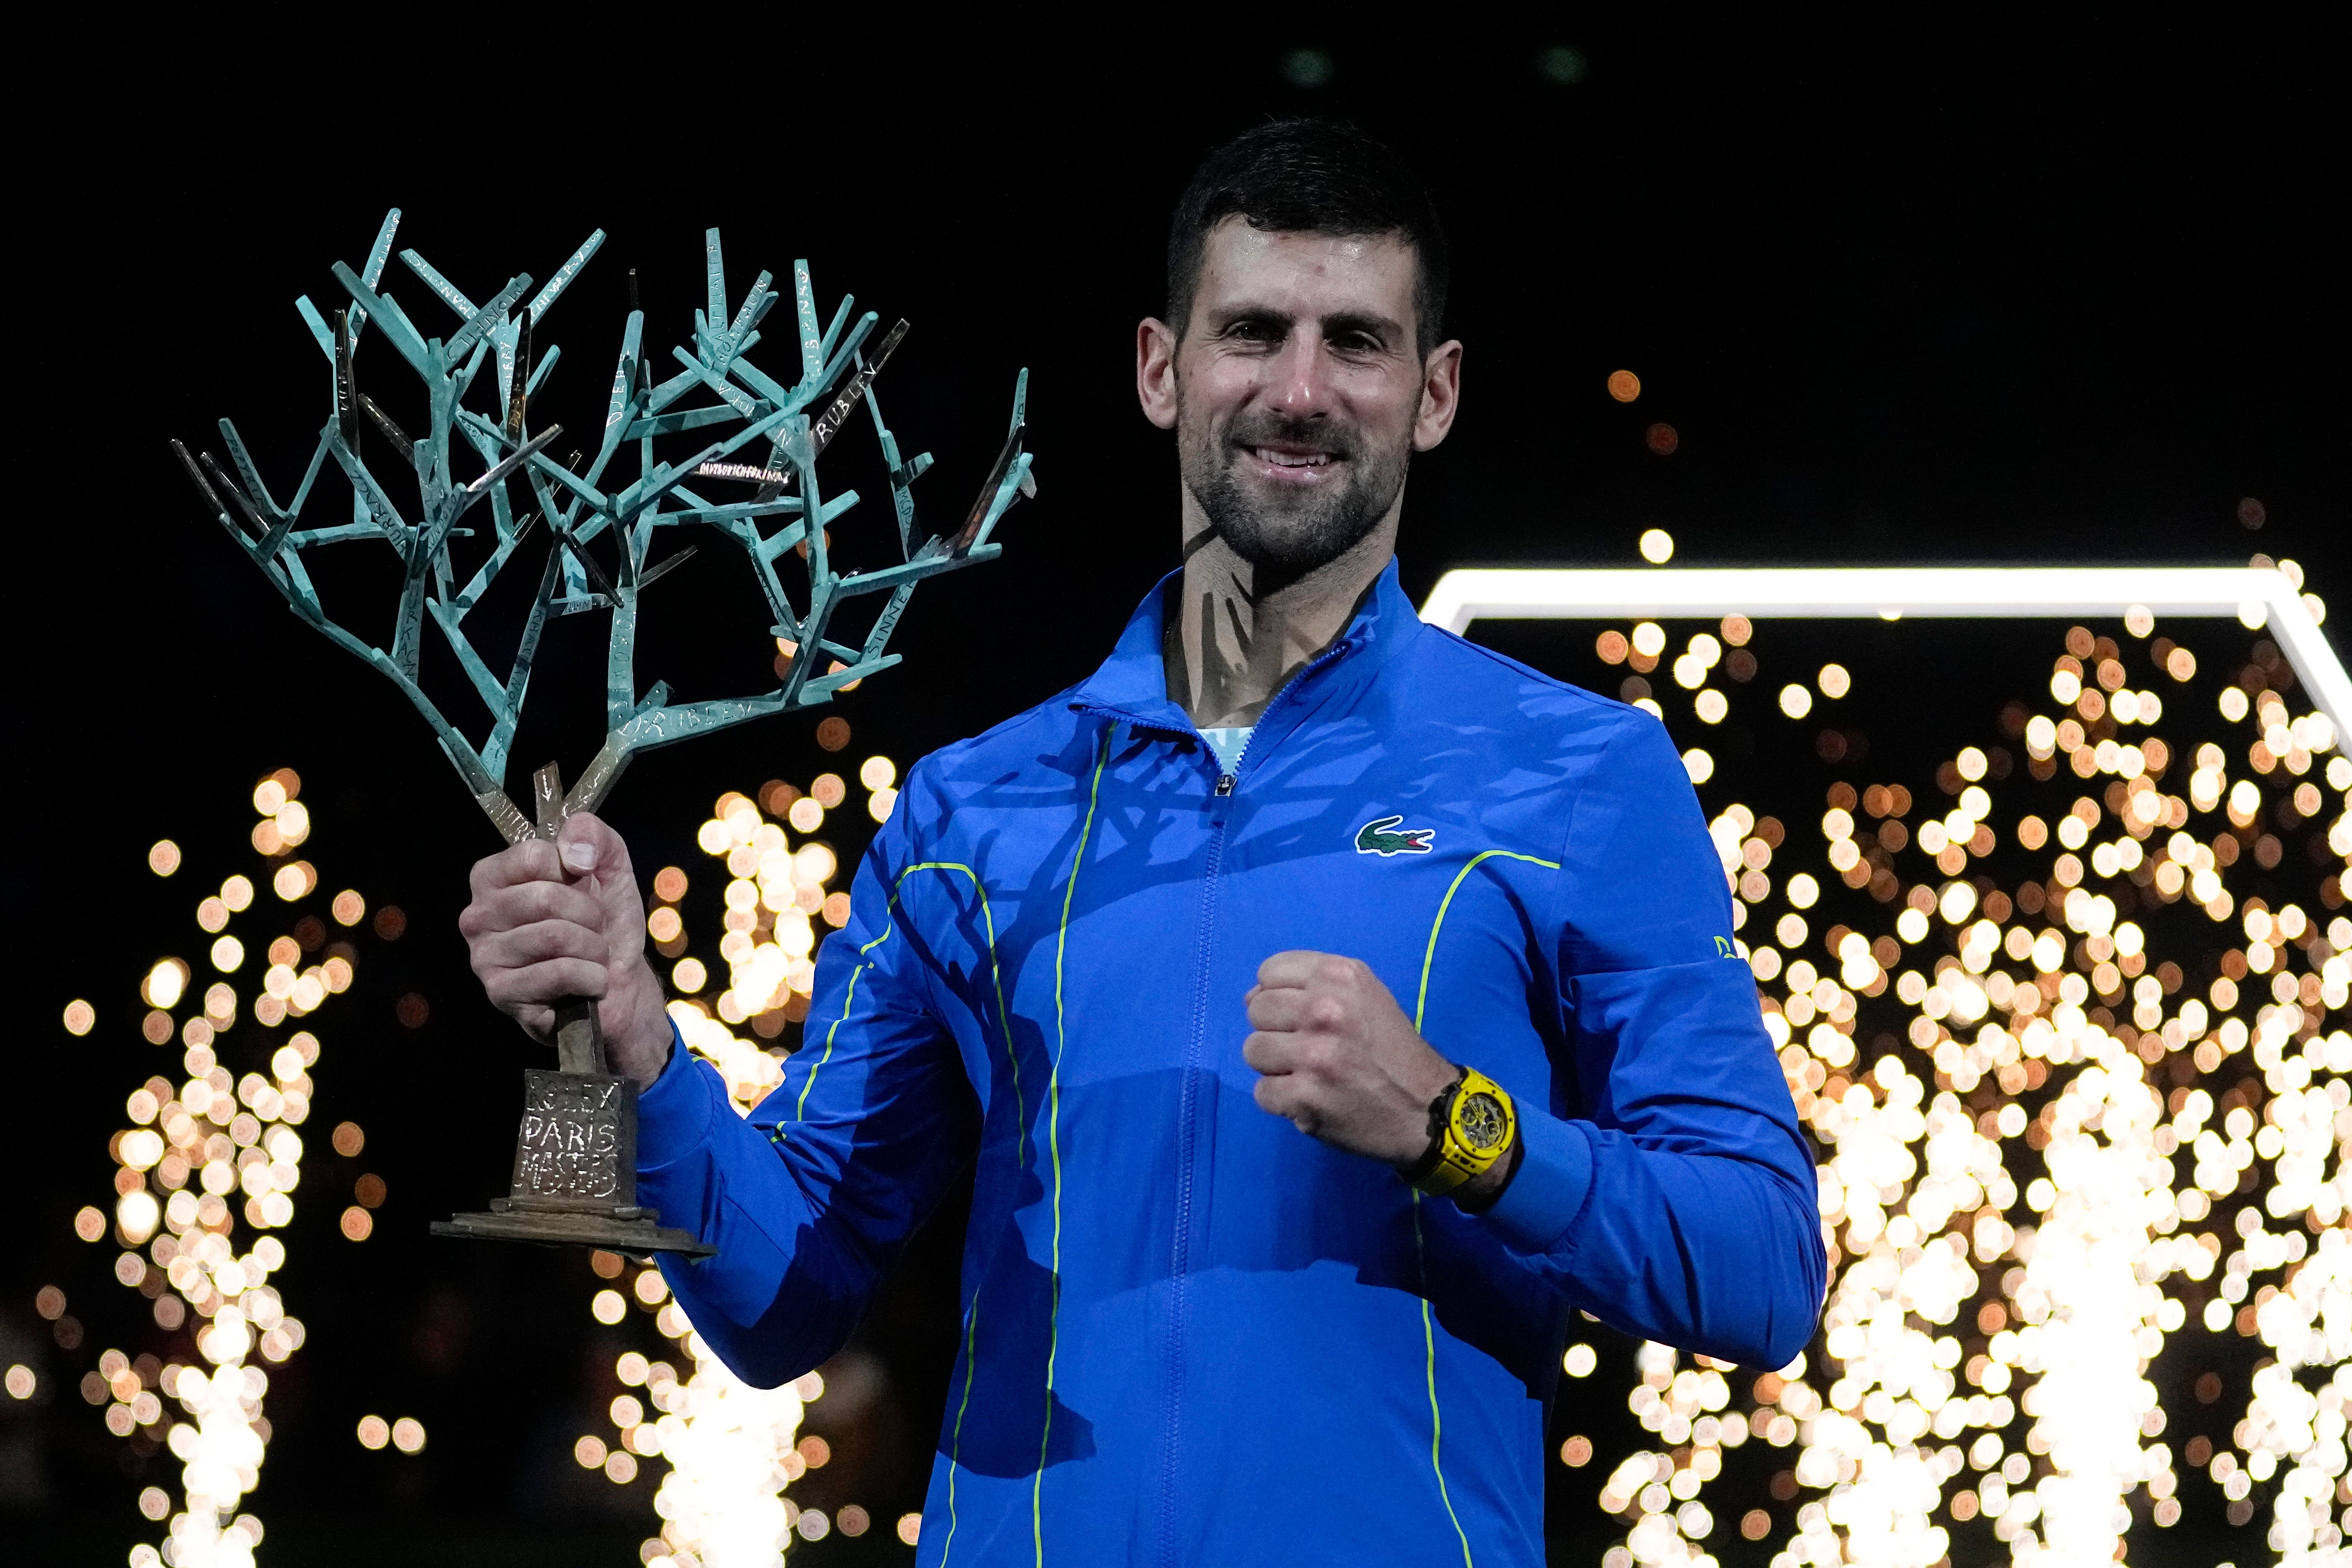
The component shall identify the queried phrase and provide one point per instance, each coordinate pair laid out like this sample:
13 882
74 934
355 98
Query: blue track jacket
1190 1333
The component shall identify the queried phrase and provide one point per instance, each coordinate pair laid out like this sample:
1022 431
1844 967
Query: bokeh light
164 982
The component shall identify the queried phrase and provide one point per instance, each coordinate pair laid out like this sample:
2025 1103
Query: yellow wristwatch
1471 1126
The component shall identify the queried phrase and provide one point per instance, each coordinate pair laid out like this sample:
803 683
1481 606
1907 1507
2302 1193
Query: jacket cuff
1548 1192
674 1112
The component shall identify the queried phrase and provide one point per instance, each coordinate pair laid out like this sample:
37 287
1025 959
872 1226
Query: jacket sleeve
1680 1202
811 1199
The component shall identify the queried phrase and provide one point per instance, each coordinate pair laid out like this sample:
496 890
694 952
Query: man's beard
1287 538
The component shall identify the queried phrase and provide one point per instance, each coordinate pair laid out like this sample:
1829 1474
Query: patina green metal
734 406
575 1173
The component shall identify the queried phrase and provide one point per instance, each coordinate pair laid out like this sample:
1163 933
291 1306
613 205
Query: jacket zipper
1228 777
1186 1118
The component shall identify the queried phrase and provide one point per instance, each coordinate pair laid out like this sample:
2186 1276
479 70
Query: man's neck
1232 643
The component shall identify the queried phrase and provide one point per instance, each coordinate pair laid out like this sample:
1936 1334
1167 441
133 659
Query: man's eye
1255 331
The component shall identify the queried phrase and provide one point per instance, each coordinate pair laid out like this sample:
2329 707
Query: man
1184 960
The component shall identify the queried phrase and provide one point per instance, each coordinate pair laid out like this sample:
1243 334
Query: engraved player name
750 471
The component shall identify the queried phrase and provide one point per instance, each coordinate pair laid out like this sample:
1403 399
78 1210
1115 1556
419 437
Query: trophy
574 1176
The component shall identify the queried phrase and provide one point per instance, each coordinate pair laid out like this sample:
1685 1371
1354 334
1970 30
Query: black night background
1983 291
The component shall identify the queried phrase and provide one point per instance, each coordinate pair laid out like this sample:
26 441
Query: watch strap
1418 1173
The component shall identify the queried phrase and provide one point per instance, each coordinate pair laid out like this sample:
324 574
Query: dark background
1958 293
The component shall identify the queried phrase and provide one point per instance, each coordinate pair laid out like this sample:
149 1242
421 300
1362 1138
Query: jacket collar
1132 683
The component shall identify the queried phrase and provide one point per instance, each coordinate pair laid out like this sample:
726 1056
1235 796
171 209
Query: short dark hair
1309 176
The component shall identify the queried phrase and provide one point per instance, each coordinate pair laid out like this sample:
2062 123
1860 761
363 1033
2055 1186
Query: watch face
1478 1118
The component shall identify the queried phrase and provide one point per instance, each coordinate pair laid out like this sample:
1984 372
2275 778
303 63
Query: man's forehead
1321 271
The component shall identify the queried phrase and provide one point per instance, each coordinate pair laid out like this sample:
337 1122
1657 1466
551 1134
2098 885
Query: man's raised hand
1338 1057
551 921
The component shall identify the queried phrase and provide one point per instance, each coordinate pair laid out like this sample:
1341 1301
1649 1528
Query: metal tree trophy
575 1155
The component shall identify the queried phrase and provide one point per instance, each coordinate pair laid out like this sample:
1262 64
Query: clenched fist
551 921
1340 1060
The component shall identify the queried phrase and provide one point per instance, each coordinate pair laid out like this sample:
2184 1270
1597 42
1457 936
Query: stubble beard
1286 538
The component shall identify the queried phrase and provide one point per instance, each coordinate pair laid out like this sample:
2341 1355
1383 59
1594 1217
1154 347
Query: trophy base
575 1177
631 1231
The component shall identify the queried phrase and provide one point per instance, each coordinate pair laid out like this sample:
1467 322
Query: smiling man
1328 1007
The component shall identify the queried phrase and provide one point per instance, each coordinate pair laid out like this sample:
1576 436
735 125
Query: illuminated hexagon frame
2258 596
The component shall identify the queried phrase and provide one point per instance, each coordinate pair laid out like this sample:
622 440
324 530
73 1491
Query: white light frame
1895 592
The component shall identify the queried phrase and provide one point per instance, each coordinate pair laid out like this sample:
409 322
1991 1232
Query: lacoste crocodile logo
1380 839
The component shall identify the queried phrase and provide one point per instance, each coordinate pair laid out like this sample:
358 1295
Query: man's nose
1302 384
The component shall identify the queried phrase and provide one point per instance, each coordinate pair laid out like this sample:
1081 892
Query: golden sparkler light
2059 1149
731 1451
206 1169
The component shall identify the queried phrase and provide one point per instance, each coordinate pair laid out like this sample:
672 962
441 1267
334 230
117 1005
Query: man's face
1299 391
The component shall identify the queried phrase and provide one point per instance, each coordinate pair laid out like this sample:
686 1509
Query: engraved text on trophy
571 1143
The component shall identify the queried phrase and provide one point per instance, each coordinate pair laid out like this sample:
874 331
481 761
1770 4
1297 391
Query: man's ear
1440 395
1155 370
